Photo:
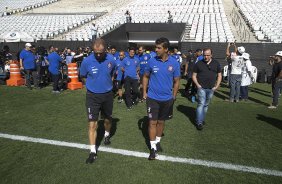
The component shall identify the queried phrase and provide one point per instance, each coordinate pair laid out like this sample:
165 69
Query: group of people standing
160 78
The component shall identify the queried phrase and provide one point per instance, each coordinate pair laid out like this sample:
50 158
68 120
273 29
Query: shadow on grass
221 96
272 121
260 92
250 98
190 112
101 130
182 92
143 125
257 89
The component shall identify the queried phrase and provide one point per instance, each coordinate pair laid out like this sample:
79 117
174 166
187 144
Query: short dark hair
198 50
163 41
50 47
205 49
131 48
113 47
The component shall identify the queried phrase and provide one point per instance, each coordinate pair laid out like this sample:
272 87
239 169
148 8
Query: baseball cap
279 53
241 49
27 45
246 56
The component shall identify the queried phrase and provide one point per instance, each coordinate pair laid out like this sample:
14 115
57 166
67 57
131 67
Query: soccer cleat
107 140
120 100
129 108
199 126
159 148
92 157
153 154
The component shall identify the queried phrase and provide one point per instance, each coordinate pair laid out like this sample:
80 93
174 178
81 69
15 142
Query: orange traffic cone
73 75
15 75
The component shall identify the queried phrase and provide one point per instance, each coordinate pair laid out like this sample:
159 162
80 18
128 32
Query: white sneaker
272 107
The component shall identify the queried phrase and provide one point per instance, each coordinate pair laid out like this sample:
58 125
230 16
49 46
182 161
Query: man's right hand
145 96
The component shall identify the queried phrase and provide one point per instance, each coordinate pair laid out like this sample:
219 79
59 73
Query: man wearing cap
276 79
247 77
27 63
236 71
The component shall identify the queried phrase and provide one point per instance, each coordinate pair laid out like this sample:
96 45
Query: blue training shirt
144 58
54 63
162 75
98 74
120 75
130 66
28 59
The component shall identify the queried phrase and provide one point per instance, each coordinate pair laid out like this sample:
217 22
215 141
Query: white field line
212 164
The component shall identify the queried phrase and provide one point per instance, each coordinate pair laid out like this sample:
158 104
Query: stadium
44 131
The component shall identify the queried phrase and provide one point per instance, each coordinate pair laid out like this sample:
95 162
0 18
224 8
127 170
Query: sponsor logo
170 68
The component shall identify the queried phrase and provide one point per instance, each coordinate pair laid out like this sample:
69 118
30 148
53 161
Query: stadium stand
263 17
43 26
16 6
206 20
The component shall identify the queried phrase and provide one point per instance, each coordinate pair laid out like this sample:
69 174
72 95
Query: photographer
276 78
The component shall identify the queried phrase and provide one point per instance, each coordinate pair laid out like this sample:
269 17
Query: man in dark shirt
276 79
207 77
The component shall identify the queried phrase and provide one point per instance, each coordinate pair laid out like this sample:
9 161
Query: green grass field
245 133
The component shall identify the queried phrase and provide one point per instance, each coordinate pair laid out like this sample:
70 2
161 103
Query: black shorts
119 84
159 110
96 102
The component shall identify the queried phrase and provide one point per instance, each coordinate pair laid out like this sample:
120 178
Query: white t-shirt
246 78
237 64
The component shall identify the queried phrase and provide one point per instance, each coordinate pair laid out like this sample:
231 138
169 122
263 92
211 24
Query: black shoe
153 154
107 140
199 126
92 157
159 148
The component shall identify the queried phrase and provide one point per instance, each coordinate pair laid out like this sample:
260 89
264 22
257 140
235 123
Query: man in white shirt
236 71
247 77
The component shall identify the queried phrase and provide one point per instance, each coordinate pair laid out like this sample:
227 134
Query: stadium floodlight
149 41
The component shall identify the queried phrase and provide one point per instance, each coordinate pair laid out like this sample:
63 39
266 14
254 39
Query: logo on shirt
109 65
170 68
145 58
135 62
94 70
128 63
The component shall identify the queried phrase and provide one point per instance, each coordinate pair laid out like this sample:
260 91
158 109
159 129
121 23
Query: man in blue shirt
54 61
114 52
143 58
120 75
130 67
27 63
164 74
98 69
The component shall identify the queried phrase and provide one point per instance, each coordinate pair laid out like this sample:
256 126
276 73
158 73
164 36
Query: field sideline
246 134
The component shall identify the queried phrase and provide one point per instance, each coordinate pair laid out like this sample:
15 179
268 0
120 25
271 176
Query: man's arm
175 86
21 64
195 80
186 68
145 84
218 81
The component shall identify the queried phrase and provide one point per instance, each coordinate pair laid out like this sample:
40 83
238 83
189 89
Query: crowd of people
142 75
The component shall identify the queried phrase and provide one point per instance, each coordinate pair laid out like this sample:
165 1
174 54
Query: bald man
98 68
